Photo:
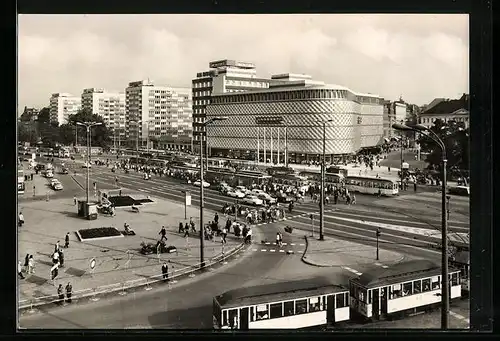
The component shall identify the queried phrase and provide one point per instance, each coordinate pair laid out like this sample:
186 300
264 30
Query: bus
157 163
406 287
371 185
330 178
287 305
215 175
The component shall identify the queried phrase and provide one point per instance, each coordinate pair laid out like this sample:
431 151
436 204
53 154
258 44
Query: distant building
224 76
301 105
448 110
110 106
62 105
153 112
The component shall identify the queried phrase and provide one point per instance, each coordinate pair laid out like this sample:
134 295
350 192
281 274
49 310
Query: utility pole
378 236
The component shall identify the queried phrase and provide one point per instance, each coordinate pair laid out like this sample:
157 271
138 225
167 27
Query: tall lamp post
322 194
202 199
445 299
88 125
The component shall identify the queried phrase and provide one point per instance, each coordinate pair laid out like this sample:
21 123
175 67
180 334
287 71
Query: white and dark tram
287 305
371 185
461 261
406 287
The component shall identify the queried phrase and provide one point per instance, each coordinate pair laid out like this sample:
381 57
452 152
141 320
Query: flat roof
281 291
399 273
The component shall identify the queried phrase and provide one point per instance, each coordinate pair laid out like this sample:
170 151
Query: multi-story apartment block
224 76
62 105
154 111
110 106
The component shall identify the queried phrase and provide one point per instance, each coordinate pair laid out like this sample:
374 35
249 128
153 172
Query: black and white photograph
243 172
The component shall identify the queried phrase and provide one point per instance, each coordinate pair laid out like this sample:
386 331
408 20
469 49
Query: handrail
110 288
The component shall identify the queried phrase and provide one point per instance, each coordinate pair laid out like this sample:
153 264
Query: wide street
190 305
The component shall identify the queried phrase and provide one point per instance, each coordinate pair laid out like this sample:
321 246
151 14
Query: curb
121 287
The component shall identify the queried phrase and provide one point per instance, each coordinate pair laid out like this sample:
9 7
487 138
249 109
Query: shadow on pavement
189 318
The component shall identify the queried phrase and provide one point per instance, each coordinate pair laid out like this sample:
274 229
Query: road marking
302 244
460 317
282 250
292 244
352 270
263 250
268 243
256 249
285 244
272 250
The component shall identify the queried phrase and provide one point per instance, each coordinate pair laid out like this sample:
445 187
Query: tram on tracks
403 288
461 261
371 185
330 178
288 305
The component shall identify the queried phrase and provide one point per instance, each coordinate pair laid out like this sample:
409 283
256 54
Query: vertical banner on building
187 202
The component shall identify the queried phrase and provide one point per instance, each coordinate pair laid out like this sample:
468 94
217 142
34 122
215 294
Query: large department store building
256 121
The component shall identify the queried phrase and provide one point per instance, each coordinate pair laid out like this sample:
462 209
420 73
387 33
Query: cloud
418 56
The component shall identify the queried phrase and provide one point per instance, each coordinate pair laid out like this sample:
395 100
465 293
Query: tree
456 140
44 115
101 135
27 132
66 134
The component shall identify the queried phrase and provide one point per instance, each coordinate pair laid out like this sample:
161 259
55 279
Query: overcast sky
419 57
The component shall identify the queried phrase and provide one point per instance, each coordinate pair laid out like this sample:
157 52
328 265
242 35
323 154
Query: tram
370 185
287 305
461 260
402 288
330 178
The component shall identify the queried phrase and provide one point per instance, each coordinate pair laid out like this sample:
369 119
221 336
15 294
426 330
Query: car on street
234 193
267 198
257 191
86 165
251 199
56 185
224 188
243 189
280 197
64 170
39 167
49 173
197 183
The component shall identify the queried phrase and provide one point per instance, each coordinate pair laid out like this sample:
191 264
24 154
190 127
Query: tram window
369 297
454 278
426 285
417 287
262 312
314 304
276 310
407 289
252 316
288 308
233 317
340 301
436 283
323 306
300 307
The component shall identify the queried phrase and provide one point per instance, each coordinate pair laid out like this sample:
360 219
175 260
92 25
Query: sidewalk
117 259
336 252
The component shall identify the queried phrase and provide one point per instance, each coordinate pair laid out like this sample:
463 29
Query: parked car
197 183
57 186
267 198
257 191
252 199
234 193
243 189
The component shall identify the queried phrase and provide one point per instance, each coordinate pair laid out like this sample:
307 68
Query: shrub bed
125 200
99 232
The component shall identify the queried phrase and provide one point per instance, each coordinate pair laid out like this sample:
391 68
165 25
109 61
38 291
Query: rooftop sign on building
228 62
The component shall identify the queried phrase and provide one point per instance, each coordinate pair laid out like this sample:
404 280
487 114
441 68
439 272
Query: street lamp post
322 194
202 198
445 299
88 125
378 235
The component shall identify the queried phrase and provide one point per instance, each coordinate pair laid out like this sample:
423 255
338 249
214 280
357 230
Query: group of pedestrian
29 266
60 293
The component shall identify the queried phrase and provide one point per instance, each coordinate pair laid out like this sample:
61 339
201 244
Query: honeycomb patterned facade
354 125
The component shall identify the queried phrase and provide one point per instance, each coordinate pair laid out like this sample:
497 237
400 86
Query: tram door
375 303
330 309
244 316
383 300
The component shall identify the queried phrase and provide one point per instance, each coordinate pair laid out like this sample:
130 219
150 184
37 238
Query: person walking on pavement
164 271
20 270
192 224
56 246
61 257
69 292
216 218
278 242
60 293
74 200
353 199
66 240
163 233
186 230
224 235
181 227
31 265
21 219
55 257
26 262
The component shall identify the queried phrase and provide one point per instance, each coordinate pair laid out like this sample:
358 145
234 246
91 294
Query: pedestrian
26 261
224 235
56 246
278 239
414 186
31 176
216 218
163 233
181 227
34 190
31 265
186 230
61 257
353 199
20 270
193 225
164 271
69 292
55 257
21 219
66 240
74 200
60 293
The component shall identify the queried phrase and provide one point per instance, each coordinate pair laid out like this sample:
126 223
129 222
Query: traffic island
98 233
336 252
